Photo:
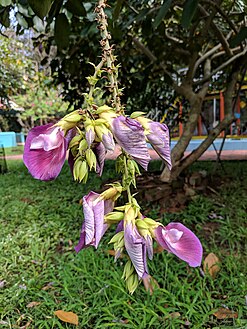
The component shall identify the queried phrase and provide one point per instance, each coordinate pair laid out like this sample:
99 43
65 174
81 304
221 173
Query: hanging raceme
90 132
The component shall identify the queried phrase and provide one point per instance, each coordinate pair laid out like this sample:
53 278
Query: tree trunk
180 163
188 131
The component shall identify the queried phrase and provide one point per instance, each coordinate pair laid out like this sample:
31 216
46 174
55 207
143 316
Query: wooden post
180 116
222 110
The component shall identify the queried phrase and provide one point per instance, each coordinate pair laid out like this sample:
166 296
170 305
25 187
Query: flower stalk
91 132
107 55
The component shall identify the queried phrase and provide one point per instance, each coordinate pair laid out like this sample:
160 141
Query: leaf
225 313
188 12
76 7
40 8
68 317
21 20
211 265
62 30
4 16
162 13
33 304
5 3
117 10
241 36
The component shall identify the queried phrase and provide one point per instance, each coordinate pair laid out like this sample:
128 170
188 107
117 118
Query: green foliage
42 103
38 263
15 67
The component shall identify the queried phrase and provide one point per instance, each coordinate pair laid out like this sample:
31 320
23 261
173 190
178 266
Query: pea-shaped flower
129 134
179 240
93 227
45 151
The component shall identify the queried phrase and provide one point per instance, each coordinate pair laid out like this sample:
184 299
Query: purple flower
90 136
136 248
179 240
159 138
45 151
129 134
107 140
100 152
93 227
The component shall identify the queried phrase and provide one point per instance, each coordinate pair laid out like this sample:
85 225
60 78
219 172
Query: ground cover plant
38 263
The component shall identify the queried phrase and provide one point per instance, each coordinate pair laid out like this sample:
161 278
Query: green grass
14 150
40 223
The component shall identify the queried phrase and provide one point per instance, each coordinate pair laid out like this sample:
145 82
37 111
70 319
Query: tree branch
219 34
230 60
209 53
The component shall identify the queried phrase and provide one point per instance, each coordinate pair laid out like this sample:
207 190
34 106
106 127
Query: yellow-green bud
75 141
137 114
128 270
114 217
117 237
80 170
91 159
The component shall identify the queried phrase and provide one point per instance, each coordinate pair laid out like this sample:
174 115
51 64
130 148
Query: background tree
166 48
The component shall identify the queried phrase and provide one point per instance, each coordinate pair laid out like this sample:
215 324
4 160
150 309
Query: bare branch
209 53
170 37
219 34
223 14
230 60
144 49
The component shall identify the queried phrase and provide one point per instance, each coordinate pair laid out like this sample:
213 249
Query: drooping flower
159 138
179 240
100 153
45 151
157 135
136 248
93 227
129 134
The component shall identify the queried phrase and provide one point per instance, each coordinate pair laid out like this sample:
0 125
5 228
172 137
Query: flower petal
44 165
136 249
90 136
181 241
159 138
129 134
100 153
107 140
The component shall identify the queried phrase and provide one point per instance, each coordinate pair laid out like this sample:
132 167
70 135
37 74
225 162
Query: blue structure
231 144
10 139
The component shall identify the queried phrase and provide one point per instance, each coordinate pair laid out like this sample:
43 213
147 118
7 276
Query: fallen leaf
225 313
2 284
69 317
173 315
113 253
48 286
33 304
211 265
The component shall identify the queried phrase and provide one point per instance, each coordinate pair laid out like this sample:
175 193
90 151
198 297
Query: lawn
40 224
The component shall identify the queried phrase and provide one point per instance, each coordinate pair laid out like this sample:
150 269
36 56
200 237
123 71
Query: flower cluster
88 136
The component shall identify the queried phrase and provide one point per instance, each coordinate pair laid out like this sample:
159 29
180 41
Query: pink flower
179 240
93 227
136 247
129 134
45 151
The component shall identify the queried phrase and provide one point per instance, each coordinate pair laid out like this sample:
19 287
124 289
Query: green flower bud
114 217
137 114
128 270
117 237
91 159
80 170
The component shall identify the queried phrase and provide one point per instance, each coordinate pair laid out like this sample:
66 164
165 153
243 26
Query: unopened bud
91 159
114 217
